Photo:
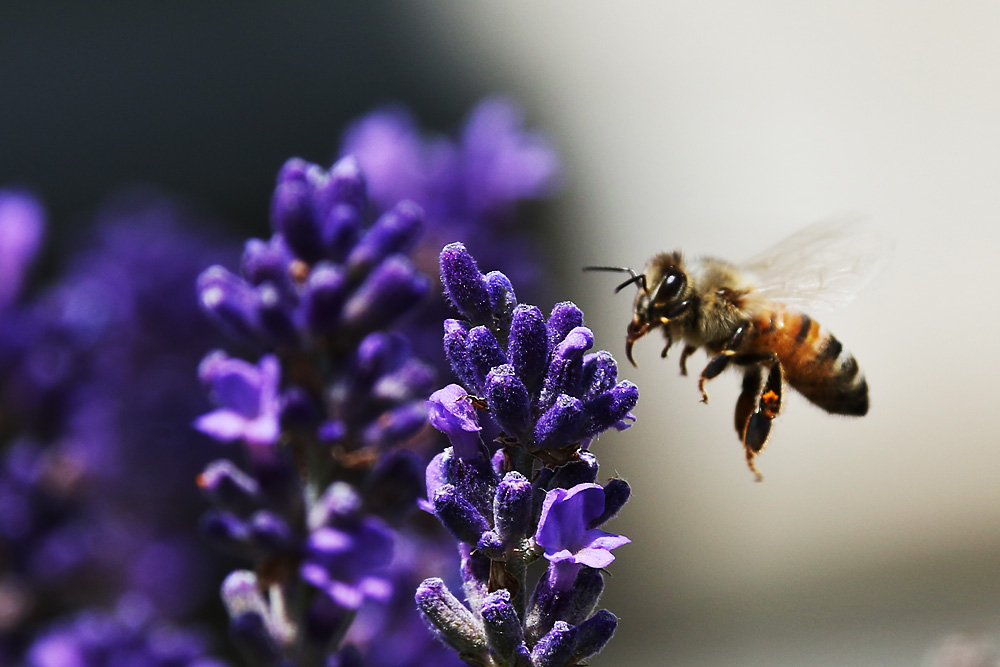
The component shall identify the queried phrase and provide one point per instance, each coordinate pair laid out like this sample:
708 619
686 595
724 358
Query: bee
752 315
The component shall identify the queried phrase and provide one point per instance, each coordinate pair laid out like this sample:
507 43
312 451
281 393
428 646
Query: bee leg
688 351
747 401
758 425
666 348
721 361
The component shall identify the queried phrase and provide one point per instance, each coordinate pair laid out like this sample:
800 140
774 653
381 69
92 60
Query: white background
721 127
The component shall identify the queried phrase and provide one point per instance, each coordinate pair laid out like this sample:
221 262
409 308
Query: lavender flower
326 416
537 494
96 392
129 635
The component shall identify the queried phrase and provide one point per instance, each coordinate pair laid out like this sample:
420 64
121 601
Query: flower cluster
95 402
322 415
537 494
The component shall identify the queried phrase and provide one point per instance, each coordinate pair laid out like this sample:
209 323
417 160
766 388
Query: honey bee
753 315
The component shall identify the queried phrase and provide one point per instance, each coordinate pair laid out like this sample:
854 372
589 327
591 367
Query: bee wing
822 266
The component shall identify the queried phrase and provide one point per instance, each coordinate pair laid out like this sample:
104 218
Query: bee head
663 291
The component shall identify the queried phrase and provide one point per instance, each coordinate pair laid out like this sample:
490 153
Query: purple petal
450 411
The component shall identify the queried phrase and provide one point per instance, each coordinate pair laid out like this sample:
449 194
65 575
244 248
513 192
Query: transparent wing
822 266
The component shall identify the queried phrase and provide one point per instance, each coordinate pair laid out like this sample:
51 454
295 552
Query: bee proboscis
753 315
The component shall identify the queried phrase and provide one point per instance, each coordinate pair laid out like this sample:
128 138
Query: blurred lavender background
717 128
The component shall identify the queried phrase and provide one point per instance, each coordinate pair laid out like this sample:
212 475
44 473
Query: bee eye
668 288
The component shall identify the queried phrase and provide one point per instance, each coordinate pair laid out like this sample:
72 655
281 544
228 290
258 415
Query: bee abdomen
819 367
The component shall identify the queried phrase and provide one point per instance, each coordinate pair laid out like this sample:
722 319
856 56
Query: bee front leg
721 361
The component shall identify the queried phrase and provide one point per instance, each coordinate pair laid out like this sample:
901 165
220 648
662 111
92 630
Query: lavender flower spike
548 399
563 532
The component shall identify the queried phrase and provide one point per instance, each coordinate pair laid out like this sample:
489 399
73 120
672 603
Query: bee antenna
637 278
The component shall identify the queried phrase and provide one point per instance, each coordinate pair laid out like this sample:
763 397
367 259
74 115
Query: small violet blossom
248 395
564 533
451 411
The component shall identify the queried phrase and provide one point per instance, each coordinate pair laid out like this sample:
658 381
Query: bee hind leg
758 405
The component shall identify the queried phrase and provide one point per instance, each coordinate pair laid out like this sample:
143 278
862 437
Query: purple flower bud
616 494
475 480
509 402
512 508
275 316
502 300
528 346
456 351
490 545
294 169
393 288
450 411
230 302
450 619
394 232
248 613
332 432
580 601
323 297
593 634
611 408
345 185
225 531
340 231
338 503
556 647
458 515
410 378
396 425
564 318
581 471
464 285
267 261
475 575
22 225
561 424
228 487
294 217
501 624
566 366
248 395
485 353
600 373
270 533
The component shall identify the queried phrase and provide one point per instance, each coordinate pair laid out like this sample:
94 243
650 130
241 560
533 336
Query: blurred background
715 127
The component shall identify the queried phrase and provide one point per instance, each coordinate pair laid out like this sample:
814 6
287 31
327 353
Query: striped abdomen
814 362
